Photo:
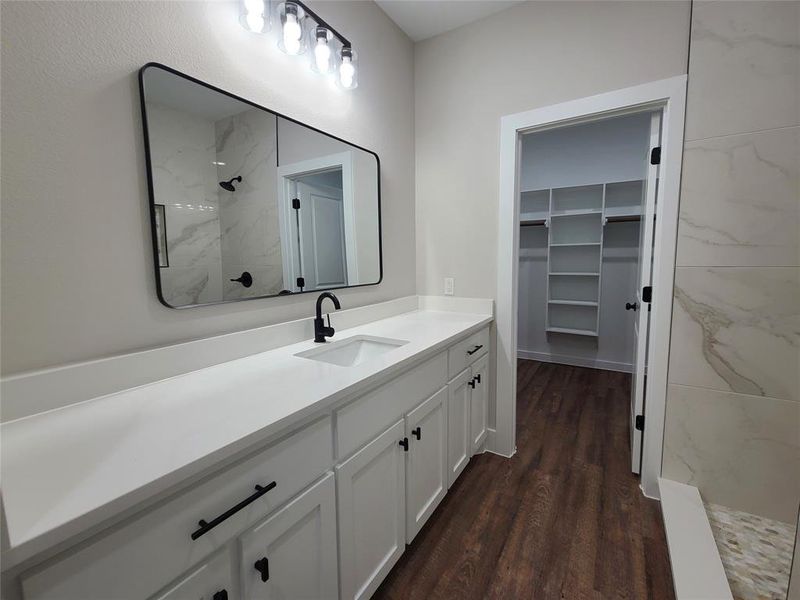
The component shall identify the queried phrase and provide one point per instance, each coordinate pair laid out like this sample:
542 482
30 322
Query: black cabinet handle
475 349
478 377
205 527
633 307
262 566
404 444
417 433
471 383
220 595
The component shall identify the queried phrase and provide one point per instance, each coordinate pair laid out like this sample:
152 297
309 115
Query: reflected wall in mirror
254 203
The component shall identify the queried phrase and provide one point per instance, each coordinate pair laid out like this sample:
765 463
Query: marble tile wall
733 404
184 175
246 146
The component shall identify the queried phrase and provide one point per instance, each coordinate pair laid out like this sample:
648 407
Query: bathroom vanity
299 472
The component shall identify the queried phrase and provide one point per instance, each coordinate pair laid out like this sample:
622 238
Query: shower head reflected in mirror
228 185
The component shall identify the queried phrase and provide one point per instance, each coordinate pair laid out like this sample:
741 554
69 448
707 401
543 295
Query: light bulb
255 22
347 71
254 6
322 51
291 34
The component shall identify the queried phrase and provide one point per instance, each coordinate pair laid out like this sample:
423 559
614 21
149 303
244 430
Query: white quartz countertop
70 469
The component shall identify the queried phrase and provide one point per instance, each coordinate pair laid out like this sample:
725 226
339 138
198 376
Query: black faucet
320 331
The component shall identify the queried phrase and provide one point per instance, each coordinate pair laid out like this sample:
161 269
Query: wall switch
448 286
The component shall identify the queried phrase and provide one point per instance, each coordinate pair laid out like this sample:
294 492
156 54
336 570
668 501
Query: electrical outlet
448 286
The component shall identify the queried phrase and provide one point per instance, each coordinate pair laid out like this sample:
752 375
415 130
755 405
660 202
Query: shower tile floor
756 552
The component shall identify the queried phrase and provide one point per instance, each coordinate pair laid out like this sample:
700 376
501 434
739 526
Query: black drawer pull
471 383
417 433
262 566
205 527
404 444
220 595
475 349
478 377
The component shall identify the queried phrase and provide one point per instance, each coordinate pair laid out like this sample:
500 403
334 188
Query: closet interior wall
562 177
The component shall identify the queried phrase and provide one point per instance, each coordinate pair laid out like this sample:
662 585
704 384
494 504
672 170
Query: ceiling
421 19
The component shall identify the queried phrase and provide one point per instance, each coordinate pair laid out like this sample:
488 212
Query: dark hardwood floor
564 518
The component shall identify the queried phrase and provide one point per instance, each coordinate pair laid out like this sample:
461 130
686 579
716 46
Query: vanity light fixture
299 24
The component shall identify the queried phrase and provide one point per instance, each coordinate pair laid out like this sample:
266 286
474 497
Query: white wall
529 56
77 268
599 152
532 55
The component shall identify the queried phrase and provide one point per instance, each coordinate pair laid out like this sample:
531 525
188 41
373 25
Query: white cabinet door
211 580
372 510
459 448
292 554
426 461
479 405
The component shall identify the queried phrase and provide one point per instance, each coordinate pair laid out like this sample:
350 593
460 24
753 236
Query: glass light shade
292 18
254 15
348 69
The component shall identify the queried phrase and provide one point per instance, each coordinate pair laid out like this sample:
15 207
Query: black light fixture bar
322 23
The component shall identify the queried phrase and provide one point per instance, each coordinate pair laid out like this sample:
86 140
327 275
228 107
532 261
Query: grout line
688 141
759 398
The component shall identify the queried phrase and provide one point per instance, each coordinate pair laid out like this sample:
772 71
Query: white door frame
286 175
669 95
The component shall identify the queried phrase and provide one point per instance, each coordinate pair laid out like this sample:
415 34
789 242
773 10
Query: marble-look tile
740 451
246 146
199 284
744 67
740 200
193 234
737 329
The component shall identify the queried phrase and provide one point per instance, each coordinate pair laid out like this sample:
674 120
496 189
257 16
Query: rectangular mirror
246 203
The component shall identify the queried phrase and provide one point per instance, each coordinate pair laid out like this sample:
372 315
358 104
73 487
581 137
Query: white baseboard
697 570
491 443
575 361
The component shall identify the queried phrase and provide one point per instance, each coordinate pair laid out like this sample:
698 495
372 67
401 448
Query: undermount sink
352 351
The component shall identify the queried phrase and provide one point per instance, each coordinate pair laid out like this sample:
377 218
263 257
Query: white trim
286 192
575 361
697 570
670 96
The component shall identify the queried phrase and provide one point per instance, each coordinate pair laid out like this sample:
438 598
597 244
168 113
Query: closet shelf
573 302
576 274
586 332
568 244
576 212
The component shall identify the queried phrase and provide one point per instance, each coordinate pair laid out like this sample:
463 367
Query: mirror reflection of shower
228 185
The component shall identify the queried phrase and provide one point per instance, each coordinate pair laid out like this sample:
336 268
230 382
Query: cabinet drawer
137 559
210 580
467 351
363 419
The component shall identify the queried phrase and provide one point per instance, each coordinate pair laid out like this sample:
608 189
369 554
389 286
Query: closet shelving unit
575 217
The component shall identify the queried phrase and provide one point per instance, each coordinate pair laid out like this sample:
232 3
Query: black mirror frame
151 189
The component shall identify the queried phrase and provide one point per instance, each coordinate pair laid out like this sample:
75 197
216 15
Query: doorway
317 223
662 103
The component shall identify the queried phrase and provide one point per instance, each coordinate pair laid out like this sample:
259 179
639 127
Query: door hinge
639 422
301 282
296 203
647 294
655 156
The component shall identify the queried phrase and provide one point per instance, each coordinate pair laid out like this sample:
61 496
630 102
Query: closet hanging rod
541 223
